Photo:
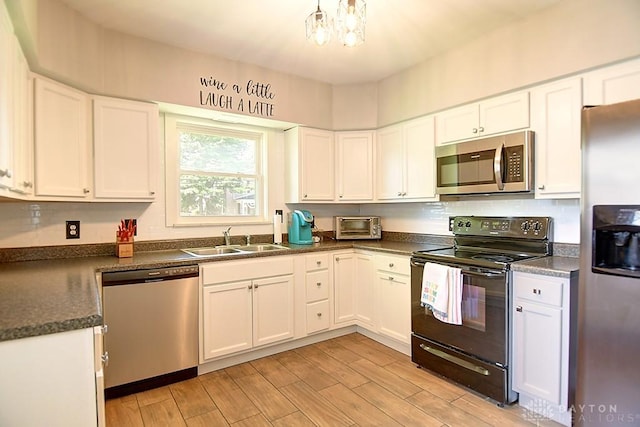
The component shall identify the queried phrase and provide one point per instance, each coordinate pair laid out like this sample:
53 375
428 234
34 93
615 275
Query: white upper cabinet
354 160
556 121
62 141
22 124
495 115
309 165
405 161
609 85
126 148
6 99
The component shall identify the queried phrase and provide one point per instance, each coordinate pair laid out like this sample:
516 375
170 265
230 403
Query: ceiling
271 34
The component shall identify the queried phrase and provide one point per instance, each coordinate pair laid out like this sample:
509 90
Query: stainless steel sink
260 247
233 250
210 251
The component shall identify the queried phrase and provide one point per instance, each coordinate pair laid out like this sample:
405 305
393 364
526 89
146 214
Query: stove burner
494 258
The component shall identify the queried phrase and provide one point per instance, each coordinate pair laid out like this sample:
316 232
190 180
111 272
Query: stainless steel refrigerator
608 372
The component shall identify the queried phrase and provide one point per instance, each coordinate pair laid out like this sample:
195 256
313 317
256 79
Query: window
214 173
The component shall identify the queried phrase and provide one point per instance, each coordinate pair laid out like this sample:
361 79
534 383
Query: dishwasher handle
127 277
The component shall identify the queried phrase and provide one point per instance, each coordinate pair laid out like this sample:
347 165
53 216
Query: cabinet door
6 99
555 119
420 177
365 290
317 165
344 276
537 350
226 319
126 146
393 296
504 113
457 123
390 163
272 310
609 85
62 155
22 121
354 165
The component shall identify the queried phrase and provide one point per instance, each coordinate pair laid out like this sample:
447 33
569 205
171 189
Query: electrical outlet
135 225
73 229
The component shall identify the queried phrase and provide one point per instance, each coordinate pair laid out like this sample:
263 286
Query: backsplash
27 224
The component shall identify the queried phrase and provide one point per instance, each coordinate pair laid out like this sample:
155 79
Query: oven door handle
466 271
453 359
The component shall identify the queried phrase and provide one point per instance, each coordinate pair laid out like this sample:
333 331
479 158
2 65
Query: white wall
567 38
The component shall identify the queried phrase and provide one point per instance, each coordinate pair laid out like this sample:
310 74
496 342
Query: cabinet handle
519 309
319 314
152 193
105 329
475 130
319 284
318 263
105 358
481 129
86 191
390 277
399 193
404 193
250 287
390 265
304 195
6 173
341 196
541 187
337 259
27 184
537 291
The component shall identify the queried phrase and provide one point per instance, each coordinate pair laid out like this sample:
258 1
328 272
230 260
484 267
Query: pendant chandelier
350 22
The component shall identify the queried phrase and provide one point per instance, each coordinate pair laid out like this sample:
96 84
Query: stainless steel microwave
357 227
498 164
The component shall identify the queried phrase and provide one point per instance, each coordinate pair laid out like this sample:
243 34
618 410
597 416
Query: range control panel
514 227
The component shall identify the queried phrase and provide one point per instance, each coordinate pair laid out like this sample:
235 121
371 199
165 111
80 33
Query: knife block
124 248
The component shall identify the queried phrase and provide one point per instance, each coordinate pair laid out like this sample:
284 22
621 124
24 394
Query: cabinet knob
519 309
390 265
105 358
6 173
319 314
319 284
250 287
255 286
390 277
318 263
152 193
404 193
537 291
86 191
27 184
337 259
340 196
481 129
541 187
475 130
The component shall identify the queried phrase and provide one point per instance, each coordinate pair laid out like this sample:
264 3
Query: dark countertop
557 266
49 296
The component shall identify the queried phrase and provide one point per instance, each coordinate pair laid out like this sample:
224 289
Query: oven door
483 333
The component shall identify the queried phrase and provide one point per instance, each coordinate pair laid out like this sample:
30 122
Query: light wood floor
350 380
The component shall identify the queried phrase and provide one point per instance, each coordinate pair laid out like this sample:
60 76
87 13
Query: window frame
172 125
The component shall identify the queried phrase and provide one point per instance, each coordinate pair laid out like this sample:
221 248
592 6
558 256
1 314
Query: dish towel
442 292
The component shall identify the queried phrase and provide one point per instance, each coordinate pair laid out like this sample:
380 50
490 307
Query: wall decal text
255 98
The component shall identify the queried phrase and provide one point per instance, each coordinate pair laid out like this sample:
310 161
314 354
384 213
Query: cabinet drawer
317 261
317 283
317 316
393 264
540 289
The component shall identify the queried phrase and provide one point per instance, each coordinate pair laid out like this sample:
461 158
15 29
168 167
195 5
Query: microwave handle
497 166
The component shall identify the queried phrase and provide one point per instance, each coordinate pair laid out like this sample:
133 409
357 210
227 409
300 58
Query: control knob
467 224
460 223
537 226
525 226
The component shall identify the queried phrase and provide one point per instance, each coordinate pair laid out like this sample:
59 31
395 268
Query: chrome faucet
248 237
227 237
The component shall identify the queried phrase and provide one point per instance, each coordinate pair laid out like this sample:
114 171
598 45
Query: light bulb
351 21
321 36
350 39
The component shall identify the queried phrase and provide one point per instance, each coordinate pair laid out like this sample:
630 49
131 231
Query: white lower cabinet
51 380
245 304
543 330
344 285
317 286
393 297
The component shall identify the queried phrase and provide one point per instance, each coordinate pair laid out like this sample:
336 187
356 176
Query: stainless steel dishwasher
152 322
